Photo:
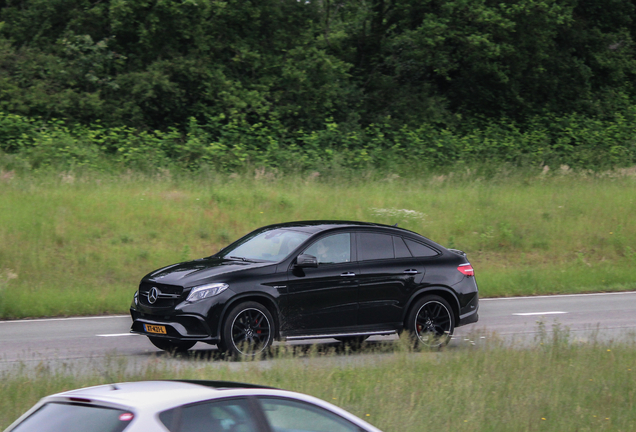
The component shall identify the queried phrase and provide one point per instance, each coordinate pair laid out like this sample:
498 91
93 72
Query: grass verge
74 244
554 385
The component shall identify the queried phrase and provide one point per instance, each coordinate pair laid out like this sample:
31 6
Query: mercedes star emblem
153 294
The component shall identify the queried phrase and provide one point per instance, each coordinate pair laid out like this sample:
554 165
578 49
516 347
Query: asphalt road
70 342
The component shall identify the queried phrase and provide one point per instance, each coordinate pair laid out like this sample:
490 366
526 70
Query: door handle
347 274
411 271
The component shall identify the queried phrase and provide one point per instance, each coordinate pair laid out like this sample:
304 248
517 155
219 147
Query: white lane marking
63 319
117 334
557 295
539 313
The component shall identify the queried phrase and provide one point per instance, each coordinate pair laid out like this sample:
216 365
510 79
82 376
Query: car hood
189 272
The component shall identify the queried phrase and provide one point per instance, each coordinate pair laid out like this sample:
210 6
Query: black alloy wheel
170 345
431 321
248 330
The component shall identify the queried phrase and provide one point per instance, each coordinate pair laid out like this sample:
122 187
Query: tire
431 322
248 330
171 345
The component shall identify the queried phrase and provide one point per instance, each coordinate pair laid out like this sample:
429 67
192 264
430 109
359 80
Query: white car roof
150 397
157 395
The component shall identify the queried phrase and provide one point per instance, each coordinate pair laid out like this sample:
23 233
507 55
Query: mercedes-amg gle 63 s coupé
309 279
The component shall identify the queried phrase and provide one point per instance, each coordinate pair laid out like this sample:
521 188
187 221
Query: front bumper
184 321
182 327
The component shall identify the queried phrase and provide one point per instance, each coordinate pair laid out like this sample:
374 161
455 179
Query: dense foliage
326 74
550 141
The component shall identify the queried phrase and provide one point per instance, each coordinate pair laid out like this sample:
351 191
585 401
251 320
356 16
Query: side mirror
304 261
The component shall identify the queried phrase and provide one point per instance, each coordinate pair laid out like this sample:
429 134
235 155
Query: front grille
167 295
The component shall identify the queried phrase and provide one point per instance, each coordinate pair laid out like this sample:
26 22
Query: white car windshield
271 245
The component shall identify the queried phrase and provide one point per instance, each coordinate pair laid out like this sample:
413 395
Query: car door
323 298
388 275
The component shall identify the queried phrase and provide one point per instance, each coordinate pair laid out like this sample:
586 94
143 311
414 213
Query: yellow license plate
155 329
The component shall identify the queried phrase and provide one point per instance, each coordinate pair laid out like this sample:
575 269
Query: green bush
229 145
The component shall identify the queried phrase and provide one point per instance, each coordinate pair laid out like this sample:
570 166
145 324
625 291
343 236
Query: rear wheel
171 345
248 330
431 321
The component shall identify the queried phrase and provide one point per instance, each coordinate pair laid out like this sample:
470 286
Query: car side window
373 246
216 416
332 249
401 251
420 250
286 415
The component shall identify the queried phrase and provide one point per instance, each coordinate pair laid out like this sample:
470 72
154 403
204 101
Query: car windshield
269 245
56 417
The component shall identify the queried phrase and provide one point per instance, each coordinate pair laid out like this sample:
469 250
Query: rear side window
287 415
57 417
420 250
375 247
216 416
401 251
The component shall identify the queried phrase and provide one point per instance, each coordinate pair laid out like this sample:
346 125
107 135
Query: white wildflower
398 213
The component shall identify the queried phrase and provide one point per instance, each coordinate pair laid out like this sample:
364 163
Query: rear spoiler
223 384
458 252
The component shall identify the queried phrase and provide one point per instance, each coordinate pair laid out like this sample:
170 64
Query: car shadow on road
283 351
313 349
318 348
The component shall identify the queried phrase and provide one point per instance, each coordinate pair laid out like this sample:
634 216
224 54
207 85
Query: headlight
205 291
136 298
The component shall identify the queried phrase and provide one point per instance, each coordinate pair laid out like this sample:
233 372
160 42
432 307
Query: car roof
155 394
315 226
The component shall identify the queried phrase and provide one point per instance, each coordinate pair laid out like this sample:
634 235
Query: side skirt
336 335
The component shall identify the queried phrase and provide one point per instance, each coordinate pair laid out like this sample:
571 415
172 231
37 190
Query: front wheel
248 330
431 321
171 346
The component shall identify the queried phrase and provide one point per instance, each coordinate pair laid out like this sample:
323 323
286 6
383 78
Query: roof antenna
395 224
109 379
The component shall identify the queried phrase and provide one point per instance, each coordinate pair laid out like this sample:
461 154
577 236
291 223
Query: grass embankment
79 244
556 385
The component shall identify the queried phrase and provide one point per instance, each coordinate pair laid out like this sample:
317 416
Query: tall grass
554 385
79 243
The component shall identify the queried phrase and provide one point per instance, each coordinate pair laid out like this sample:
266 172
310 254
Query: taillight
126 416
466 269
79 400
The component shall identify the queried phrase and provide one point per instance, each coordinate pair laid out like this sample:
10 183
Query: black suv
310 279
